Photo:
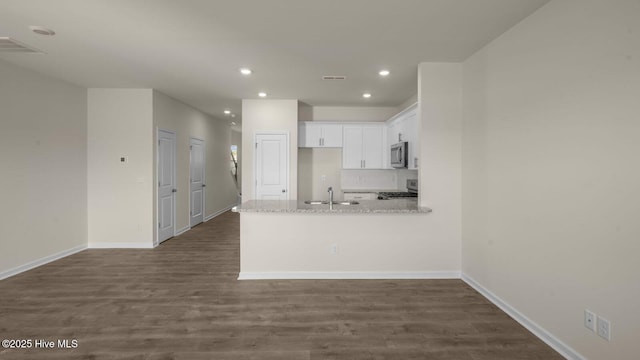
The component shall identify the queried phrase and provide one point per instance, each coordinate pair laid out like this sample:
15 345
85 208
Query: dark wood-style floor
182 301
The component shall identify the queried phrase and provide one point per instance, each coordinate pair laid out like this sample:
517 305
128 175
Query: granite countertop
392 206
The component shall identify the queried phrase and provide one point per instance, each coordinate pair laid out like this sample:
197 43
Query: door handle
204 185
174 190
283 190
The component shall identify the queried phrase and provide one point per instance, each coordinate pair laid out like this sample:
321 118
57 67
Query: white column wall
120 195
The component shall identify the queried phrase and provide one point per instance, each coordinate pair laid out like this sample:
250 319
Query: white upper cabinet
332 135
363 147
319 134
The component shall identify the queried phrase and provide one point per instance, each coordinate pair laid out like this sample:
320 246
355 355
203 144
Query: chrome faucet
330 191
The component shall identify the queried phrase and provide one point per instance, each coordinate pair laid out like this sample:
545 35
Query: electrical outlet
604 328
323 178
589 320
334 249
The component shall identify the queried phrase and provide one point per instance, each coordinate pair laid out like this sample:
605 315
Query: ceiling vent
9 45
334 77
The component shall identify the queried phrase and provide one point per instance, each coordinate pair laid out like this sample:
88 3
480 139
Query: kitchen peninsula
288 239
374 239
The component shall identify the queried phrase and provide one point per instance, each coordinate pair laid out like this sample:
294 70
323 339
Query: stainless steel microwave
399 155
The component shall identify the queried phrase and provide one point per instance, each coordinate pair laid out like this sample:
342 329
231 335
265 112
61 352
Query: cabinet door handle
320 142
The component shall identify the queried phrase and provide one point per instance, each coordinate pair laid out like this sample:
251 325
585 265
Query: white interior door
197 184
166 168
272 166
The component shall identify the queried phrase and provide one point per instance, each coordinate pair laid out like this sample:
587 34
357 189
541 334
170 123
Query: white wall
407 103
551 200
439 168
186 122
43 135
268 115
120 195
352 113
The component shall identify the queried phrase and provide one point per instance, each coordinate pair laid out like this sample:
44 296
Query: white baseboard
544 335
219 212
344 275
121 245
45 260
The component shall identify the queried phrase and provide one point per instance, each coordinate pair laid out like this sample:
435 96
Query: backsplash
392 179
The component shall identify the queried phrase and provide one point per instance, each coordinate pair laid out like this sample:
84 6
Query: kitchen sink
345 203
318 202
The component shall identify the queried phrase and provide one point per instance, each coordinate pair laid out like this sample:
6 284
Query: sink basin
345 203
318 202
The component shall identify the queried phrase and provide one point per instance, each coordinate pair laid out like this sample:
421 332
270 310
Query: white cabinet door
309 134
363 147
352 147
397 131
331 135
372 147
319 134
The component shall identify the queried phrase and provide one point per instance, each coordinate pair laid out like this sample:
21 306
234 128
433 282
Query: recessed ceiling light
262 94
246 71
41 30
384 72
227 112
366 95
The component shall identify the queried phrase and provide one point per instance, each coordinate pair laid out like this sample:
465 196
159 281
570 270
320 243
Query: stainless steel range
412 192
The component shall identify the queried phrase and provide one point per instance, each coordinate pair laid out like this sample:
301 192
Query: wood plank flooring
182 301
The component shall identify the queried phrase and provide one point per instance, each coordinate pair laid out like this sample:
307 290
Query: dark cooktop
396 195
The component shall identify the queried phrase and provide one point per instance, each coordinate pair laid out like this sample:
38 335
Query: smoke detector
41 30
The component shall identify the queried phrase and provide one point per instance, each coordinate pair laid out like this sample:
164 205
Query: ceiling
192 49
